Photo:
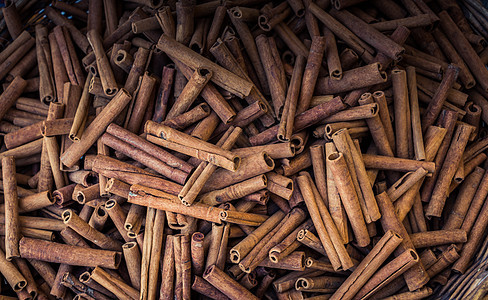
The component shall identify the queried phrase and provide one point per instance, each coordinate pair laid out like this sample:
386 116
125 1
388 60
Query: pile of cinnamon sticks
243 149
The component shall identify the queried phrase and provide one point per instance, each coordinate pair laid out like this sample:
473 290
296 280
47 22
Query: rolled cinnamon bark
153 238
14 59
332 55
23 135
14 45
226 284
211 95
203 287
291 107
32 233
194 86
250 46
10 94
468 168
144 158
185 21
438 237
47 90
86 279
104 69
289 37
235 191
467 191
272 71
216 25
430 86
280 185
81 114
196 182
368 266
141 102
474 239
417 138
464 48
472 117
377 128
117 187
221 76
118 287
76 286
401 108
288 281
336 208
405 183
320 265
302 121
219 239
342 32
251 166
451 162
238 252
118 217
37 222
318 284
319 169
275 151
26 150
83 177
84 229
388 273
416 276
307 238
230 61
295 261
372 161
112 168
133 260
447 257
447 120
197 253
60 76
23 66
186 144
243 218
289 244
96 128
67 254
157 199
134 220
168 270
369 34
352 80
343 181
300 162
11 273
138 142
163 94
52 148
137 70
353 157
68 54
12 228
311 72
35 201
80 39
178 285
409 22
435 105
329 236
